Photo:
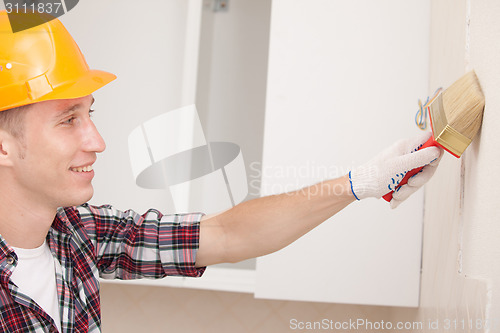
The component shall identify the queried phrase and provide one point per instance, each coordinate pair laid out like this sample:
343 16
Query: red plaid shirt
88 242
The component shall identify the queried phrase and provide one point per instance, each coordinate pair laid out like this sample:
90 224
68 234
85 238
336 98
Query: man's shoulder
75 215
82 218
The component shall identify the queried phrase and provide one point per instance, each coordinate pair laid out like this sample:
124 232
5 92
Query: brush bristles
463 103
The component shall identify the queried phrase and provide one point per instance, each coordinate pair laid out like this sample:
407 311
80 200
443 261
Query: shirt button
10 260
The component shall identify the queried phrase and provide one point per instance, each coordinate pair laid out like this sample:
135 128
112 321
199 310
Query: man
53 246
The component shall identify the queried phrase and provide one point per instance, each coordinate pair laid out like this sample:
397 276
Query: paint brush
456 116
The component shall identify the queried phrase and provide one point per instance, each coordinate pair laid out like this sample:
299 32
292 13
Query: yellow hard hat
43 63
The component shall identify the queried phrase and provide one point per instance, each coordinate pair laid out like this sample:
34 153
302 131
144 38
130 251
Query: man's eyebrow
71 109
67 111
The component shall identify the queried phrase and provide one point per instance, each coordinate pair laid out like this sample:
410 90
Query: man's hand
383 173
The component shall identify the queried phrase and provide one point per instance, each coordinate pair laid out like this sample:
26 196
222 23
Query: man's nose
93 140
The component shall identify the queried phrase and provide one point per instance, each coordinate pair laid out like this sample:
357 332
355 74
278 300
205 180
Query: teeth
87 168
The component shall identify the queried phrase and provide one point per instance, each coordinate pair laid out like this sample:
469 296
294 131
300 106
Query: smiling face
52 162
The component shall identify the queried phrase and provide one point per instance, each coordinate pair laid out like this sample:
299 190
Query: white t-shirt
35 275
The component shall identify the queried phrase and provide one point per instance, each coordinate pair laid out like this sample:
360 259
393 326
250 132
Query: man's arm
264 225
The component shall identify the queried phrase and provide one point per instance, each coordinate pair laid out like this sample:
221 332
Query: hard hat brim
85 85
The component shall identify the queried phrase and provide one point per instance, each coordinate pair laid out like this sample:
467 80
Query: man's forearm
264 225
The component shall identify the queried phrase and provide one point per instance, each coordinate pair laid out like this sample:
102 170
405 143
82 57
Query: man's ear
8 148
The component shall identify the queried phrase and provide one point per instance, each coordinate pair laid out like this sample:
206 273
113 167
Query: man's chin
81 199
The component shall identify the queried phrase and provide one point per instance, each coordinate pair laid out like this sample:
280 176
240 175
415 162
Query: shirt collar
61 221
5 249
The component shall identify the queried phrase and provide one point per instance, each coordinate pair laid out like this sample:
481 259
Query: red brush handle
429 143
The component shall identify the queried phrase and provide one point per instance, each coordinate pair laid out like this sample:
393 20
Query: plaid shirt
88 242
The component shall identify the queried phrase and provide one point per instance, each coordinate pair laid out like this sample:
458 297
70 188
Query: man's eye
69 120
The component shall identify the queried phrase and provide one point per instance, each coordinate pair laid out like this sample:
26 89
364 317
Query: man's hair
12 120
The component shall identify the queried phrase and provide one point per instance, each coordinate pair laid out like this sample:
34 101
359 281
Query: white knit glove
385 171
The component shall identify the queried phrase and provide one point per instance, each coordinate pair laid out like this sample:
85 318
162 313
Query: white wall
481 210
447 292
461 275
